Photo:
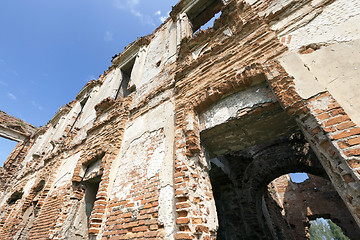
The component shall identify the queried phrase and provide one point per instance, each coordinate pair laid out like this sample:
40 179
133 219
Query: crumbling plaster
234 105
228 87
160 52
334 68
159 119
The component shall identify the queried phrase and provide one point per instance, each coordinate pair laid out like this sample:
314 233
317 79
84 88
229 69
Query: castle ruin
190 133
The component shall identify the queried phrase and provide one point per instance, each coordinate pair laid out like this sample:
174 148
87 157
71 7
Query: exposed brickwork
145 154
134 213
306 201
16 124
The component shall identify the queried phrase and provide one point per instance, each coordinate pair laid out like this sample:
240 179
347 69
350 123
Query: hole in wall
126 72
14 197
322 228
158 63
92 187
203 12
82 105
208 24
298 177
6 147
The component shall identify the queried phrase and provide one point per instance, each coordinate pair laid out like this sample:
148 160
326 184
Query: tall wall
132 156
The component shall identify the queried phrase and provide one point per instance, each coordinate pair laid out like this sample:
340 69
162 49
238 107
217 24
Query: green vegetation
322 229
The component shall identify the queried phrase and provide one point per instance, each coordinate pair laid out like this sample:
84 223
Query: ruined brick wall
241 103
16 125
314 198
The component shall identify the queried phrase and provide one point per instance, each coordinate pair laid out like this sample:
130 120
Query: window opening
6 148
126 71
14 197
82 105
36 198
92 179
202 12
92 187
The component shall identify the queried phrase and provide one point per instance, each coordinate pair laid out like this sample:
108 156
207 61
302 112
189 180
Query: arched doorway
247 152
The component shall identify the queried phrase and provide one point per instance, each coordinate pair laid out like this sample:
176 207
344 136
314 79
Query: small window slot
126 72
92 187
82 105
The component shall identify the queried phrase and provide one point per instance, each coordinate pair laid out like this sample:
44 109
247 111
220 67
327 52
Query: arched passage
249 171
247 152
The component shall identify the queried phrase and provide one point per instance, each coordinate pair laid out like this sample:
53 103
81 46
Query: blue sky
50 49
298 177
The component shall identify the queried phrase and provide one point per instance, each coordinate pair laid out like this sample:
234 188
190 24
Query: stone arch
340 166
272 161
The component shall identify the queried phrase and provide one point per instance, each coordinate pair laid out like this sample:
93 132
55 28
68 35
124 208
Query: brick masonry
153 165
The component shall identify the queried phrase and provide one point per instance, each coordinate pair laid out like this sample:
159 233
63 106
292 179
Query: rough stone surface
186 144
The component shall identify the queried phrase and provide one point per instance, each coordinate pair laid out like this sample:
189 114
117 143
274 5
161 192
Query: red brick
150 234
353 152
183 236
345 125
337 120
201 228
140 229
338 111
330 129
354 141
343 145
182 220
353 163
315 131
197 221
347 133
323 116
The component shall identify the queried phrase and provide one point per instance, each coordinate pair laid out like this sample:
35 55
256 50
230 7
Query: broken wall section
141 190
323 38
17 130
13 128
316 197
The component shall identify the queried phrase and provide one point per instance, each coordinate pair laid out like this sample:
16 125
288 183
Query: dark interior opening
126 71
14 197
249 152
202 12
82 105
92 187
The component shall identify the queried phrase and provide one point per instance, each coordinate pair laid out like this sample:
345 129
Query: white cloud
36 105
132 3
131 6
3 83
108 36
12 96
157 13
90 77
163 18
